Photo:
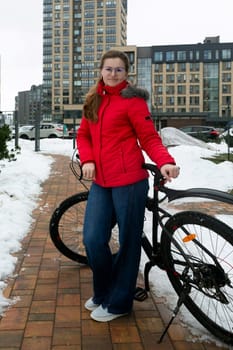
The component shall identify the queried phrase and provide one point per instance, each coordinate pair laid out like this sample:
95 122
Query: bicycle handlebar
173 194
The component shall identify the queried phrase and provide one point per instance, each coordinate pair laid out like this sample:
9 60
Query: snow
22 180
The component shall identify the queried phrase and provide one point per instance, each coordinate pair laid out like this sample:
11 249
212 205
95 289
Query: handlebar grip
159 179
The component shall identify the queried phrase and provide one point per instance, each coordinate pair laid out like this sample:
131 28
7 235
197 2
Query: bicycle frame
158 215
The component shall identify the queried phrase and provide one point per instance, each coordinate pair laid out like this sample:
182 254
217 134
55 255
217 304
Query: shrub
4 137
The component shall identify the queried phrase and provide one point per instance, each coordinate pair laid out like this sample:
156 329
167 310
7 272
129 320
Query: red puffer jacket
115 142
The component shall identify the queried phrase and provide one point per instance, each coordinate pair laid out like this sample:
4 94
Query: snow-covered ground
21 182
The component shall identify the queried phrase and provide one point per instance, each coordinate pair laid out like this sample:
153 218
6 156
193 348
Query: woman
115 128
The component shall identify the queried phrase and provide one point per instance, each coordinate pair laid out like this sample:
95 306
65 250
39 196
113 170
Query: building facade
187 83
75 35
29 105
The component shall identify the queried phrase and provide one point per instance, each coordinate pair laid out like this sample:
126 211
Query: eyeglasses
116 70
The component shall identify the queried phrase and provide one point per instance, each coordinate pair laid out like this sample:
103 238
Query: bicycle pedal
140 294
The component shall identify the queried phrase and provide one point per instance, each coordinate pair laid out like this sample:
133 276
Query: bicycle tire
206 298
66 228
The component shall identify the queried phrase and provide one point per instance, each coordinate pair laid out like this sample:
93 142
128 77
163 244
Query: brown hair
92 101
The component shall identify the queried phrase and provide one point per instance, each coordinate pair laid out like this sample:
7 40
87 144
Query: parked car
201 132
47 130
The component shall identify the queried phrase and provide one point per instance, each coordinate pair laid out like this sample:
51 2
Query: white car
47 130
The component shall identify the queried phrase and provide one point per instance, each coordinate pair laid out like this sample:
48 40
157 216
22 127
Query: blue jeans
114 277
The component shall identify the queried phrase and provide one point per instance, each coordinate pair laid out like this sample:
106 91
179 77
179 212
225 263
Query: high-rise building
75 35
29 105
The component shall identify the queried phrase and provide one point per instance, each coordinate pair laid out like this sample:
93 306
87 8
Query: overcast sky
150 22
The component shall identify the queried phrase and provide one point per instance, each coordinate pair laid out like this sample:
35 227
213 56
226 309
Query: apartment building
187 83
75 35
29 105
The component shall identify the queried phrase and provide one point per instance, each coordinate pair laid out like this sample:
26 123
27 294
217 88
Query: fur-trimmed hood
133 91
125 89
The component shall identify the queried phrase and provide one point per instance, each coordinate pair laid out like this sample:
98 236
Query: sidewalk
52 290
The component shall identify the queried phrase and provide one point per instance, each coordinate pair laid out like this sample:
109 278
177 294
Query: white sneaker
102 315
90 305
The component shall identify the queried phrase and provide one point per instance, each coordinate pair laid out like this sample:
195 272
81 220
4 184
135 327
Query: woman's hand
89 170
169 171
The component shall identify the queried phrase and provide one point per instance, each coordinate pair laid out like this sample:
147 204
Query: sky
155 23
21 185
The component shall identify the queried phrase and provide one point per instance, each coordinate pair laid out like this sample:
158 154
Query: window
170 56
181 101
170 67
194 78
207 54
181 89
158 78
226 77
226 100
226 65
158 67
170 101
170 78
181 78
181 67
194 67
170 90
181 56
226 89
194 100
158 56
194 89
226 54
159 90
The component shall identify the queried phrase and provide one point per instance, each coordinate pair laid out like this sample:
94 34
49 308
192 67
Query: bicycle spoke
207 267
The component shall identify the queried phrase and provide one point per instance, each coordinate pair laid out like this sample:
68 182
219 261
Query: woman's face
113 71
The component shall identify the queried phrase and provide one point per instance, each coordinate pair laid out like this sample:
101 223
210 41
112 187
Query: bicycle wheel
203 261
66 228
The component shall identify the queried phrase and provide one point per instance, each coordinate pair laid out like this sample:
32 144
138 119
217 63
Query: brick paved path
52 290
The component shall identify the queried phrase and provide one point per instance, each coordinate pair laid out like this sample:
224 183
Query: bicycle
193 248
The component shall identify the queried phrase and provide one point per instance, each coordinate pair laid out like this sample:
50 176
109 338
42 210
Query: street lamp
157 117
228 131
37 130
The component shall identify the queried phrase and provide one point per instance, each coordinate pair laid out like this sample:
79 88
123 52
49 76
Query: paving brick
124 334
93 328
68 299
45 292
98 342
14 319
39 329
25 282
51 290
36 343
150 325
45 306
66 336
10 339
67 316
